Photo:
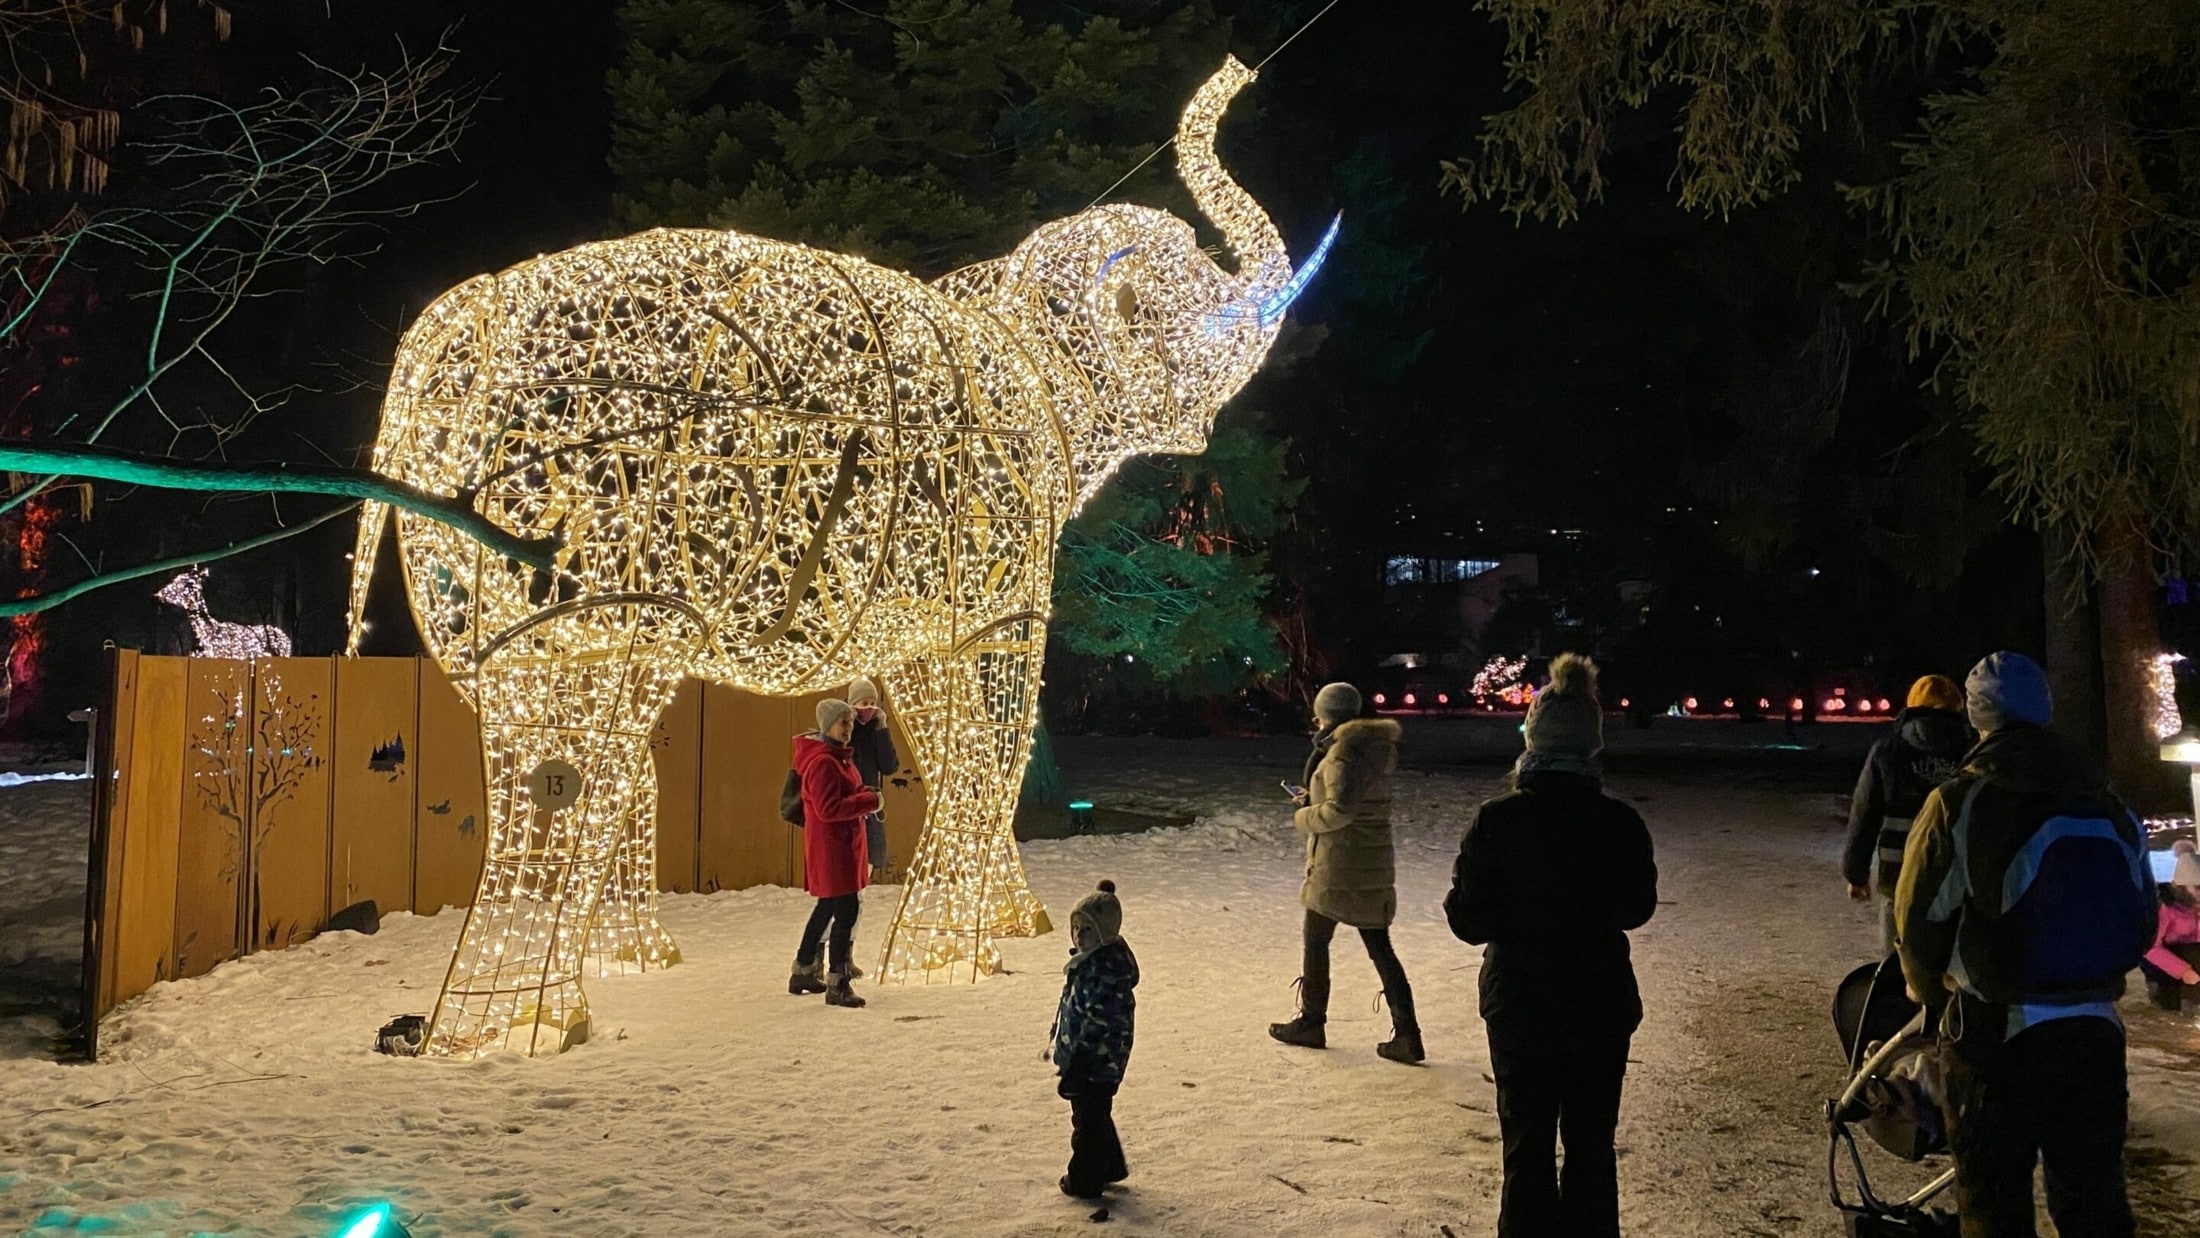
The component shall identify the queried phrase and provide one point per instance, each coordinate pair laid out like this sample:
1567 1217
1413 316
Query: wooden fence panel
242 803
372 762
103 872
143 934
215 809
288 868
676 749
451 829
744 760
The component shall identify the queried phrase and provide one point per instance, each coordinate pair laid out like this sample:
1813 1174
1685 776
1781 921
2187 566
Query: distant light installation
2162 678
214 638
780 468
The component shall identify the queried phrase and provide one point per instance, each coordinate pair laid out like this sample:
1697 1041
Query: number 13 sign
554 784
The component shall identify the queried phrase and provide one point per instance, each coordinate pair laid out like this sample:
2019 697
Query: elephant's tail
372 516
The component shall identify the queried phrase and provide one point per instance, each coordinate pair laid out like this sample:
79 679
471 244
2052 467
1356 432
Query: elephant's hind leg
515 980
969 715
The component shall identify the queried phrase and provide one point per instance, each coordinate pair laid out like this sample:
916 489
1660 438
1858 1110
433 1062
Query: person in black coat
1926 749
1549 879
876 761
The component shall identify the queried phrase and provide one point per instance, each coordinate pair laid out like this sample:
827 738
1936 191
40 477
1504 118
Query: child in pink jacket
2172 967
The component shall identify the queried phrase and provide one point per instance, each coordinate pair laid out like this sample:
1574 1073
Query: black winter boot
1404 1044
1310 1029
807 979
837 992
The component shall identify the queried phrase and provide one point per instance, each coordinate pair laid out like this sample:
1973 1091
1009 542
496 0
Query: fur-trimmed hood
1365 740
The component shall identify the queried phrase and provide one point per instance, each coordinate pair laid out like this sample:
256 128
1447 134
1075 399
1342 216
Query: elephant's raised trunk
1263 264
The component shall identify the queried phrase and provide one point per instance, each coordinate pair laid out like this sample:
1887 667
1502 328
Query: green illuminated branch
79 460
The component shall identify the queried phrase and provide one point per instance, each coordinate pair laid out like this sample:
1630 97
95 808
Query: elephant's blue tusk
1272 308
1269 309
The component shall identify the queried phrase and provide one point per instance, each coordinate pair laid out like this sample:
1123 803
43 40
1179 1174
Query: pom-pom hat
1566 718
1101 912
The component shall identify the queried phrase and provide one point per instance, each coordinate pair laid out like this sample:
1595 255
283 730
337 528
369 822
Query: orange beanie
1936 692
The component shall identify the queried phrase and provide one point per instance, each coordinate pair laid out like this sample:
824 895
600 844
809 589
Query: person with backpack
876 761
1550 879
2025 897
834 852
1926 749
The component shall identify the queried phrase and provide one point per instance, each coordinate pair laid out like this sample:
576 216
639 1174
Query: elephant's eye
1126 303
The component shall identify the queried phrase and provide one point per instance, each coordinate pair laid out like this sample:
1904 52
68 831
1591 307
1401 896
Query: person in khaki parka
1351 867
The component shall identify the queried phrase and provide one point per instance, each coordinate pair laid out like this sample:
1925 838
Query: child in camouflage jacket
1093 1029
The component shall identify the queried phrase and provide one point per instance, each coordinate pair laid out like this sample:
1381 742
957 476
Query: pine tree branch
47 601
82 460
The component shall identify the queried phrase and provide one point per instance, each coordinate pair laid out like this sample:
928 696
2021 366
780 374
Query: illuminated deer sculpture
778 468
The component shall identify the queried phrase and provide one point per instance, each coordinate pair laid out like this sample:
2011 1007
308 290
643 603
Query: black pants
1554 1084
1095 1151
840 912
1314 972
2054 1094
2167 991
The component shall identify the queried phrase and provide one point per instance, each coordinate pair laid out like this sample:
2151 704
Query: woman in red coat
834 852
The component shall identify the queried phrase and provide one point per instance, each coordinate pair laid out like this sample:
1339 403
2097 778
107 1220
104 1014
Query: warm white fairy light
779 468
1501 677
214 638
2162 678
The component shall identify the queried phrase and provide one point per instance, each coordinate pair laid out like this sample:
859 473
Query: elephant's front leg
969 716
515 980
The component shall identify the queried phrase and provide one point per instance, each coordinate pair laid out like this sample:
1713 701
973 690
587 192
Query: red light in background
1796 704
1763 703
1728 703
1443 698
1835 704
1380 699
1409 698
1690 703
1885 706
1624 702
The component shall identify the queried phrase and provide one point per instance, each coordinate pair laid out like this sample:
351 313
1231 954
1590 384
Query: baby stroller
1893 1095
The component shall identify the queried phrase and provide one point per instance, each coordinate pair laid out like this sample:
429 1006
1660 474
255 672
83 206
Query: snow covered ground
249 1102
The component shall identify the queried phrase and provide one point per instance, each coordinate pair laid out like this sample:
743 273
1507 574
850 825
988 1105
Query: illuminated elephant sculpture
779 468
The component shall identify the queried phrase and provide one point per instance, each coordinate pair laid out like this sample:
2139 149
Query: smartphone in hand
1294 791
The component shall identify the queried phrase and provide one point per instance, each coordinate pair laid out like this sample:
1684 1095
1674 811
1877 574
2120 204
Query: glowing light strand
213 637
2162 678
779 468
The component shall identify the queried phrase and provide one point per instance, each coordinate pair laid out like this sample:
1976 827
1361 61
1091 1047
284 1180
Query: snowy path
711 1102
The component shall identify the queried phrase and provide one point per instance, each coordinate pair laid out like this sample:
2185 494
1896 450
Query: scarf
1557 763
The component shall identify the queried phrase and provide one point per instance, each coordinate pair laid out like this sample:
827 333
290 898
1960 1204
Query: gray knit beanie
2006 688
1566 718
1337 702
862 692
1100 911
831 710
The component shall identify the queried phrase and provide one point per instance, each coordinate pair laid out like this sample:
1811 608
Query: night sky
1479 385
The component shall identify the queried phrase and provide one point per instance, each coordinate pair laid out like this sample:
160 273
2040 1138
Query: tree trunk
2073 644
2131 636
